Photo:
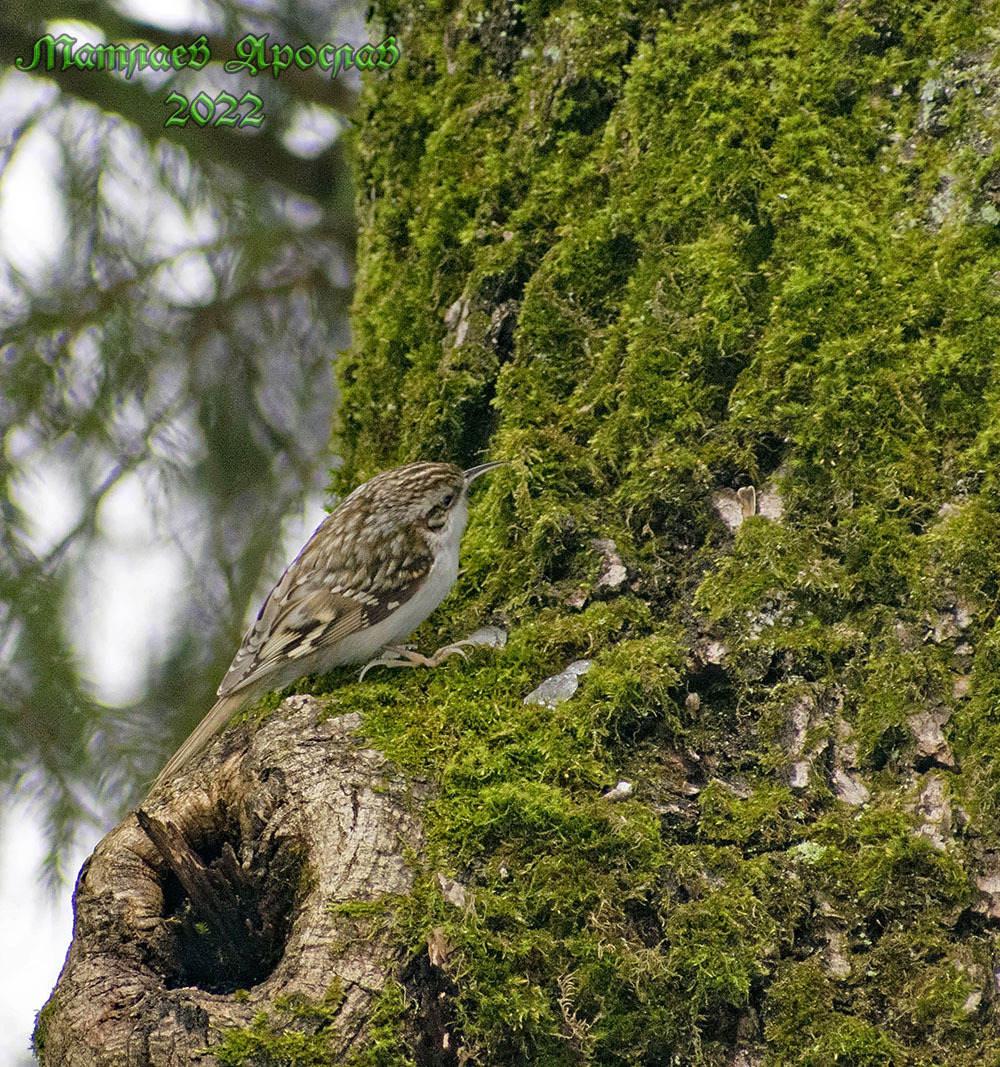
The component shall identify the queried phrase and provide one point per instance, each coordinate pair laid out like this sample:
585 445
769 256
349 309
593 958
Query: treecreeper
373 570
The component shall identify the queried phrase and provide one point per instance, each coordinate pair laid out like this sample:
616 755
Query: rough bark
219 898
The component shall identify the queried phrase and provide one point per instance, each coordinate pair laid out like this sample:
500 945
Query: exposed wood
228 881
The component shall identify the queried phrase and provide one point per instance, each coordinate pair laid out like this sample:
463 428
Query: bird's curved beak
473 472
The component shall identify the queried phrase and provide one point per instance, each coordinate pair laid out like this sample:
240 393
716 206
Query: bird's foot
406 656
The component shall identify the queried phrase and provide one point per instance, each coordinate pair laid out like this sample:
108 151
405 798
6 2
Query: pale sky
136 565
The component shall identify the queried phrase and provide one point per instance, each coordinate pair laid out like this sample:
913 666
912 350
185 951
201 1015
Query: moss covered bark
651 255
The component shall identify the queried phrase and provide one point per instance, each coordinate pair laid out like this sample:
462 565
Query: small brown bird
375 568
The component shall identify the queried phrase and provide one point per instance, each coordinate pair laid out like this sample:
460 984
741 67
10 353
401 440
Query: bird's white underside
362 645
368 642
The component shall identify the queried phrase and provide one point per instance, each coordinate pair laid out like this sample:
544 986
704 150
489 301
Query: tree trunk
252 886
720 281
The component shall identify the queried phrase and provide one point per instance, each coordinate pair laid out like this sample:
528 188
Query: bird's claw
406 656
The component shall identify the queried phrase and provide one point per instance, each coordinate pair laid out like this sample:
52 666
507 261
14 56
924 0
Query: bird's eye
446 502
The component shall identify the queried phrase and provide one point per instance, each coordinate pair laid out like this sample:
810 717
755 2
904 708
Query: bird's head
429 498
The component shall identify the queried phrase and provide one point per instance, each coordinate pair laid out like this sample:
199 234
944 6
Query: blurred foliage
174 347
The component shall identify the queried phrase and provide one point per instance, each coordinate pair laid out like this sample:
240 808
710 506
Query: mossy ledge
652 255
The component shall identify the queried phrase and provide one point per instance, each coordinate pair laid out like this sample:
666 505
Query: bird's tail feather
222 711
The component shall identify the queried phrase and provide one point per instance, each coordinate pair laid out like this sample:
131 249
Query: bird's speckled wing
318 602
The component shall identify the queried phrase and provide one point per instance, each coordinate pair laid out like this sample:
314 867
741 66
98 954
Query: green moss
42 1018
897 682
875 861
766 818
385 1045
804 1026
645 254
297 1033
359 909
968 541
